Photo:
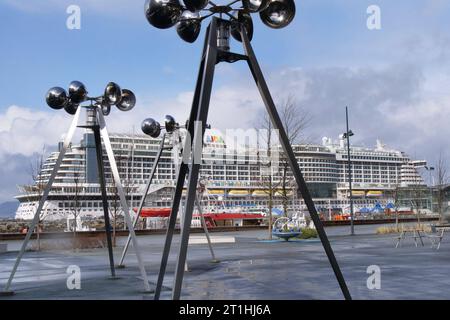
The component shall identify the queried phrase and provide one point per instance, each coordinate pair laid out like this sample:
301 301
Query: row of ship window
169 164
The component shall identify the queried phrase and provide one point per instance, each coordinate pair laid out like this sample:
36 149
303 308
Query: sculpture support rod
144 196
123 201
182 172
101 175
197 145
277 123
47 190
205 228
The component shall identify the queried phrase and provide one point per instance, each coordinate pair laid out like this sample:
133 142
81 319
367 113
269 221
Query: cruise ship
238 186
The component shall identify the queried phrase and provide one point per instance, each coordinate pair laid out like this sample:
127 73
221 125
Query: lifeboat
154 212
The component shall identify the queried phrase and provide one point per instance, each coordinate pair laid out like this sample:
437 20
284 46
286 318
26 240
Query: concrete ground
250 268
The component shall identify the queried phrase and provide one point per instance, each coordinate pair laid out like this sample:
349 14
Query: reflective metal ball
170 124
256 5
278 14
151 127
189 26
128 100
106 109
77 92
56 98
113 93
162 14
242 19
71 108
195 5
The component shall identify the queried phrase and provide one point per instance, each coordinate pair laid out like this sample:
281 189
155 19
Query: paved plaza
249 268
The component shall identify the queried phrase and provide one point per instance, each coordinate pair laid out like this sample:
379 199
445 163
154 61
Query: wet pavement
250 268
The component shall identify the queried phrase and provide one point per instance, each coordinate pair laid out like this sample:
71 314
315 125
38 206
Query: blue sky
118 43
395 80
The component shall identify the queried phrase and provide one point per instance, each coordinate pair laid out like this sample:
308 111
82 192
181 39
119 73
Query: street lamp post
347 136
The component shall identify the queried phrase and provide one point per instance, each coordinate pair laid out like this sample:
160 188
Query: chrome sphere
170 124
189 25
243 19
256 5
162 14
106 108
113 93
128 100
151 127
71 108
278 14
195 5
77 92
56 98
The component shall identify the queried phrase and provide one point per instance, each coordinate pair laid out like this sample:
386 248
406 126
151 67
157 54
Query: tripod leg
123 200
205 229
170 229
47 190
144 196
181 177
271 109
200 126
186 265
101 175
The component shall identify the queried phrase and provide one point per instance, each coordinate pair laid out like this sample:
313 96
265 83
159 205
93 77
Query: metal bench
436 235
404 234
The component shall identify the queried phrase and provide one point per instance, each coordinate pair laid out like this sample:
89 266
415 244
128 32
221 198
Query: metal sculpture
153 128
286 228
233 18
57 98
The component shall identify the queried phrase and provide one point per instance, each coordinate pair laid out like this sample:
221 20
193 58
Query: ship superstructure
236 177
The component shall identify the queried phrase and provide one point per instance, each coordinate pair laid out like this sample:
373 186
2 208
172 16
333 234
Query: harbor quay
250 267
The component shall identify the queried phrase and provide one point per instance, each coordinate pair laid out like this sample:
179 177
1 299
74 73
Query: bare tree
417 196
35 190
267 181
75 202
124 164
294 120
441 181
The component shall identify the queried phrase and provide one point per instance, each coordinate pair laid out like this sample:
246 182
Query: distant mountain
8 209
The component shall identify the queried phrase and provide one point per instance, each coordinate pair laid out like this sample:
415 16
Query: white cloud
14 170
393 104
231 107
24 131
402 106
